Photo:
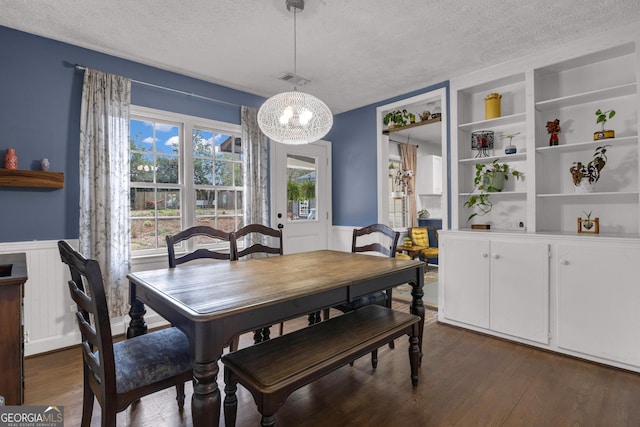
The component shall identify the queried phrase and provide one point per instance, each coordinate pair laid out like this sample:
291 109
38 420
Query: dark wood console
13 275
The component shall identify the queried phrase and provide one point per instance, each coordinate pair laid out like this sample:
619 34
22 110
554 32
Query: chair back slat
92 315
256 237
380 231
192 232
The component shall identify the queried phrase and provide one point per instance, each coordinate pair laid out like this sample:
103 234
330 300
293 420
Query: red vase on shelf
11 159
553 140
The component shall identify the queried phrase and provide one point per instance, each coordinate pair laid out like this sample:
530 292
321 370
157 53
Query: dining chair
251 240
373 238
421 236
118 374
210 235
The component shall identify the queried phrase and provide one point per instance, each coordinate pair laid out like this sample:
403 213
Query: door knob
484 254
496 256
564 262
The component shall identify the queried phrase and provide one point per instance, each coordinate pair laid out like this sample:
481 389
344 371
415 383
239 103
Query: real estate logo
31 416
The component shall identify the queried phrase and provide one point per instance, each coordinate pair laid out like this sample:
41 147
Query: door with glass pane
301 188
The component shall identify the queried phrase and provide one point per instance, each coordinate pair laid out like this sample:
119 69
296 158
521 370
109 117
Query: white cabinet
520 289
500 284
599 301
466 280
429 175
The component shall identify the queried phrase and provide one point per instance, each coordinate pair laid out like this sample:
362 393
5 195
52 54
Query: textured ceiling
355 52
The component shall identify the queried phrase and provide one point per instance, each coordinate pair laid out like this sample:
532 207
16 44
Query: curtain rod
181 92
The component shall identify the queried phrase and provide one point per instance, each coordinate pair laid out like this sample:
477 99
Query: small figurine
553 128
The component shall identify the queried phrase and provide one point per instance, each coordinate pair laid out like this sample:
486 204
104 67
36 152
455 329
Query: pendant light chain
295 50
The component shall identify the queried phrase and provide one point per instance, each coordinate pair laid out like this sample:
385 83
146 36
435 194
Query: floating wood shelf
33 179
412 125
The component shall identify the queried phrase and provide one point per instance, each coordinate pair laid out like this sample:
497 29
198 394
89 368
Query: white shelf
490 159
500 121
497 193
622 194
579 146
583 98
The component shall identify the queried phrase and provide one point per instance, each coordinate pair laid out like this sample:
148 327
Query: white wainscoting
341 240
49 322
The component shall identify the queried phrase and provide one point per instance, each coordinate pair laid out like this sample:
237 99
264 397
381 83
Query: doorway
301 195
430 176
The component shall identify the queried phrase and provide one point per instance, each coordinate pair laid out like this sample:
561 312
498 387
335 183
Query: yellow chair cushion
402 256
420 236
429 253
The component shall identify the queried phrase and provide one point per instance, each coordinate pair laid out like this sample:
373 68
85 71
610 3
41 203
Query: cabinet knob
564 262
484 254
496 256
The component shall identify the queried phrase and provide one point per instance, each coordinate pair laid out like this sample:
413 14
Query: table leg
417 306
137 325
205 402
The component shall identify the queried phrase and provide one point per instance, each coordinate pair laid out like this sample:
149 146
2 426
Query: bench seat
273 369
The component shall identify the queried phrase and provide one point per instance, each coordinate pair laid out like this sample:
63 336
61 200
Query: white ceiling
355 52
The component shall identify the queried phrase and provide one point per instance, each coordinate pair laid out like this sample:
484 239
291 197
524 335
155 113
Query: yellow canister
492 106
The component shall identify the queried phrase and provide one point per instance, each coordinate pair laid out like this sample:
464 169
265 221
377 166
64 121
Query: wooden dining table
214 302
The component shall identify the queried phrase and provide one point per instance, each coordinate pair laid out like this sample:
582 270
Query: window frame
186 185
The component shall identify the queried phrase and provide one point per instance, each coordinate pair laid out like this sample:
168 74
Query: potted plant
601 117
587 225
489 179
584 176
423 214
510 149
396 118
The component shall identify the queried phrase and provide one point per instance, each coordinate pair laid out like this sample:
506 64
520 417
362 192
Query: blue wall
40 90
354 158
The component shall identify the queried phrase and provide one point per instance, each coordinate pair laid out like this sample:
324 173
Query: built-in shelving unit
570 90
31 179
539 286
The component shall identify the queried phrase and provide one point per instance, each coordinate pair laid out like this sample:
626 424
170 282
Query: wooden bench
274 369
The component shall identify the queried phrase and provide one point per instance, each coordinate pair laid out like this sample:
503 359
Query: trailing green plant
590 171
398 117
484 183
601 117
308 190
293 191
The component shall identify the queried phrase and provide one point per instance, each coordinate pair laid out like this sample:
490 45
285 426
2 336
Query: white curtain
255 164
104 181
409 154
255 159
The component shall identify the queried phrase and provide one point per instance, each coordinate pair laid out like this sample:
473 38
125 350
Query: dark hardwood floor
466 379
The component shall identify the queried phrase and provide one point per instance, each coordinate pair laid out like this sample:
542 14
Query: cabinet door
466 280
520 289
599 301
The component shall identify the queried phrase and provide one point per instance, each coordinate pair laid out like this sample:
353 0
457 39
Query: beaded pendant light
294 117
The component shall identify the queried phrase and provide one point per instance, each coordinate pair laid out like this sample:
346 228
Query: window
184 171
